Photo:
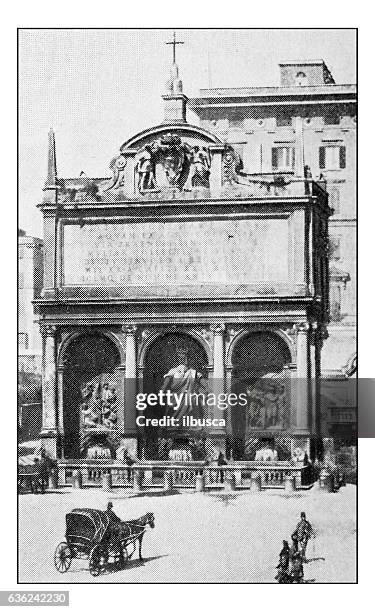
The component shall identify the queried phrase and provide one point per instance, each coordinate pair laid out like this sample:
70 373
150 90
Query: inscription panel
176 253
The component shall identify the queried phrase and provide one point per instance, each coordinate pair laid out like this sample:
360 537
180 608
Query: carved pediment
165 157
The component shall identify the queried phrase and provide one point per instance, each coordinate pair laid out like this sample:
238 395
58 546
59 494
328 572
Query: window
334 248
332 157
282 158
334 201
237 123
301 79
283 121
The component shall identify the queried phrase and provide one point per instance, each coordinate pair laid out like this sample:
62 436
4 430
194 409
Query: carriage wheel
62 557
95 562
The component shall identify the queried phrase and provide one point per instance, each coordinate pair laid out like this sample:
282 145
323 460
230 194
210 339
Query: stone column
217 434
215 170
130 387
49 431
299 162
314 350
303 377
302 382
218 353
60 404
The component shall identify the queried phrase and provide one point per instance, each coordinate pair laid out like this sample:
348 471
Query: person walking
283 566
303 533
296 561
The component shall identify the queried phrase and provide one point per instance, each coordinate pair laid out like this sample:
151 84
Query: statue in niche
202 163
187 384
145 169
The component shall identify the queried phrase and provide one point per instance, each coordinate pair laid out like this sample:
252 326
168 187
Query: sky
97 88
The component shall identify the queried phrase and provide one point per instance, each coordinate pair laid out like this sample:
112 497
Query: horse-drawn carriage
32 478
93 535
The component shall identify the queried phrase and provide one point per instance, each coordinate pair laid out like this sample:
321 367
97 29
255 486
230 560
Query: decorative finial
174 42
174 83
51 180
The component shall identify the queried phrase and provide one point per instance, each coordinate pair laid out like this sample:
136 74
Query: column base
130 445
51 441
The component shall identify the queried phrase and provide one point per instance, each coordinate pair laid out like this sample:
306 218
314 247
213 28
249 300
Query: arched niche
260 376
71 338
89 361
167 350
240 336
154 335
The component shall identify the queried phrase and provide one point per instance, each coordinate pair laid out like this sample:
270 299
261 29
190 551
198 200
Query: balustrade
184 475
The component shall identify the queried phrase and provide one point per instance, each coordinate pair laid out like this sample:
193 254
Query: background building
30 283
267 127
264 124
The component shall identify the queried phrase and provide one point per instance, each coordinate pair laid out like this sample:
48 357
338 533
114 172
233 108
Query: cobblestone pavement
198 537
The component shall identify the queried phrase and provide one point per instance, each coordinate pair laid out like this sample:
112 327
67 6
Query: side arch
241 335
65 344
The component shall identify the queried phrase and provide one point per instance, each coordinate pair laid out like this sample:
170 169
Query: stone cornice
224 199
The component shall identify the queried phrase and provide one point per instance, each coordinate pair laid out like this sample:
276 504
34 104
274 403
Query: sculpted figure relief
145 168
177 159
267 405
98 408
202 163
117 166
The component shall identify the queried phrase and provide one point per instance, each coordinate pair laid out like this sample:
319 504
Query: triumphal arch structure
181 259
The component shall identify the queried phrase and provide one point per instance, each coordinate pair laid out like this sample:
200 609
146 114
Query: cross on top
174 42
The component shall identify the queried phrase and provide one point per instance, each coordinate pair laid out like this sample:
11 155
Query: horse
131 532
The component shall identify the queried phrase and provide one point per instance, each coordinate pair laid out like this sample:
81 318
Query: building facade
183 261
266 126
30 284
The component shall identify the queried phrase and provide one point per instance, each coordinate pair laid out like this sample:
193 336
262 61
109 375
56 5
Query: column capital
48 330
302 328
217 328
129 329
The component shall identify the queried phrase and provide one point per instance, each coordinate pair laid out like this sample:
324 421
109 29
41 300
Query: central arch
165 352
169 350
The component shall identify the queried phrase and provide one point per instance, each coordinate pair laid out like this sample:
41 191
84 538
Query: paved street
198 537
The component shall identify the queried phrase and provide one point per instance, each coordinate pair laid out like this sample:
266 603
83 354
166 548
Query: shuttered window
282 158
332 157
